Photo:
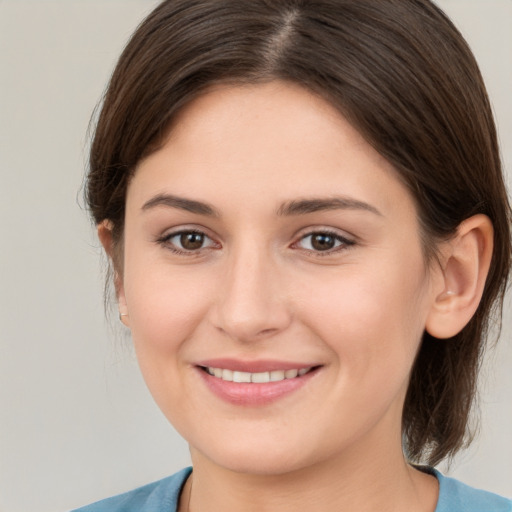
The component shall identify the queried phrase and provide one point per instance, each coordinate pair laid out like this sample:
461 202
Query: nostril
266 331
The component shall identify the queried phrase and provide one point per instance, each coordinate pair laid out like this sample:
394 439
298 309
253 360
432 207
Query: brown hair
401 73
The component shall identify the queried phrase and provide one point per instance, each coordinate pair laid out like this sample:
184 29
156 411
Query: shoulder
159 495
454 496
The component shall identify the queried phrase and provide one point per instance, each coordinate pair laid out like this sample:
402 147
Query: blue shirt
162 496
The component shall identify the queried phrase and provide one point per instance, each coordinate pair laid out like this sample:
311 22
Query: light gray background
76 422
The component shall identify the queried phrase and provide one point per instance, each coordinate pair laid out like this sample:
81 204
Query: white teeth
291 374
241 377
227 375
259 378
276 375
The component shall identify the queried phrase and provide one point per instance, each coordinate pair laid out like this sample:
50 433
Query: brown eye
185 242
191 241
324 241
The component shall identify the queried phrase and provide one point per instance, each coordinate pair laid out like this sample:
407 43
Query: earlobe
466 261
106 239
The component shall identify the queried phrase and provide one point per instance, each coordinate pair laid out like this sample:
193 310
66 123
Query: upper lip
256 366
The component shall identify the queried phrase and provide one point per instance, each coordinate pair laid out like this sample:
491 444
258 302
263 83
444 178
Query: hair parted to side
401 73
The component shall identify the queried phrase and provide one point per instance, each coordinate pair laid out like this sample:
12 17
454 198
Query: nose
252 303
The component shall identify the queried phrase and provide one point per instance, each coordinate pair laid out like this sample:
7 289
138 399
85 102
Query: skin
258 289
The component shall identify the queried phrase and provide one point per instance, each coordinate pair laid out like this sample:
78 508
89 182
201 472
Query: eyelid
166 238
345 241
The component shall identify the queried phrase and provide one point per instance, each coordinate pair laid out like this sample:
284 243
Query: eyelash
344 243
166 241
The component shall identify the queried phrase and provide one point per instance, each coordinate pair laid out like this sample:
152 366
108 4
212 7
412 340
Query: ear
106 239
465 264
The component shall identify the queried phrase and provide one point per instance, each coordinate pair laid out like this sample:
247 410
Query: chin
261 464
256 456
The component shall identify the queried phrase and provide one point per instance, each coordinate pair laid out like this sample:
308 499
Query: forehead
275 141
256 113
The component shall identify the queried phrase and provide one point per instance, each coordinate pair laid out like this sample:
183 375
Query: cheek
371 317
165 305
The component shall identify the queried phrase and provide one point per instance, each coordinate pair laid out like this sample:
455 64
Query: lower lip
252 394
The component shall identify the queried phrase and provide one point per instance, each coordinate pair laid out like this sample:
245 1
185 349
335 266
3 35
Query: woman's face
267 236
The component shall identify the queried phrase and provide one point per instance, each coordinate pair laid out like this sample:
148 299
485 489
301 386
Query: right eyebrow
181 203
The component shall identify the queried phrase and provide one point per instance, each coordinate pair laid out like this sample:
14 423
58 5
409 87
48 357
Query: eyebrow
305 206
290 208
181 203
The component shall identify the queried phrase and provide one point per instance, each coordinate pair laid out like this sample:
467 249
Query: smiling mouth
255 383
258 377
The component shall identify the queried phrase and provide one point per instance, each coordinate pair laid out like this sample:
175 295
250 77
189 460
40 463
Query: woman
306 217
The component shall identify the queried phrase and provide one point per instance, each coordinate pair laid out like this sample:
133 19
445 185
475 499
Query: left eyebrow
181 203
305 206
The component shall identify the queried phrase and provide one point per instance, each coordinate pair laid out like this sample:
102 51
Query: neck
356 481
